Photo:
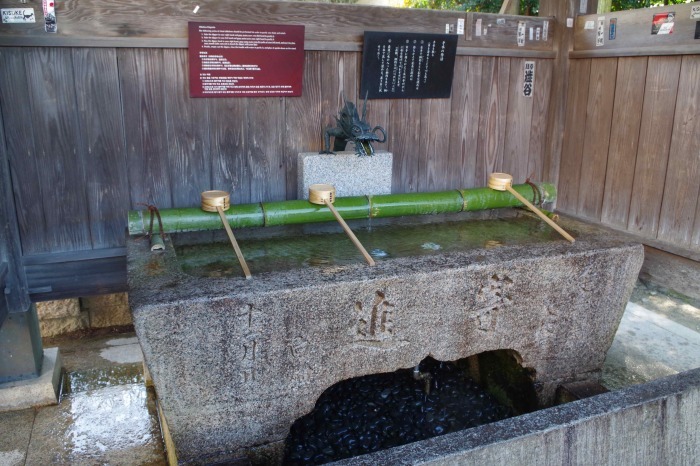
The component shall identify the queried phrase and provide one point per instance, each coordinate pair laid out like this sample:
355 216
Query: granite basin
235 362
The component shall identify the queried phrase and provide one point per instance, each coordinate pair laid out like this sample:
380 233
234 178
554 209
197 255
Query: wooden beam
633 32
691 49
135 22
82 273
671 271
328 26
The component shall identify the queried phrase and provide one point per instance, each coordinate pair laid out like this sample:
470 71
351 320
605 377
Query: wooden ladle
324 194
219 201
504 182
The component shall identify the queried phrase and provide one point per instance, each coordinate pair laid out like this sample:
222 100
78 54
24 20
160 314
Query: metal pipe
359 207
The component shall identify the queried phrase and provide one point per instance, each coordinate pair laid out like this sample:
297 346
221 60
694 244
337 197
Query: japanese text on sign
521 34
397 65
600 32
528 78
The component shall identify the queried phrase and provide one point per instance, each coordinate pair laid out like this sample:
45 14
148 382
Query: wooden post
15 288
604 6
556 120
510 7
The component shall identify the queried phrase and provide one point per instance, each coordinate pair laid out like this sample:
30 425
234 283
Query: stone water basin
235 362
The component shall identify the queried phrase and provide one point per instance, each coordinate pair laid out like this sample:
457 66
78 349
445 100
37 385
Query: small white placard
695 12
532 34
569 22
545 31
600 33
583 7
589 25
521 34
477 29
666 28
528 78
537 34
18 15
460 26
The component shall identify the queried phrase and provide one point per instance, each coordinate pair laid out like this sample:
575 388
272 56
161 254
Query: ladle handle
549 221
239 254
350 234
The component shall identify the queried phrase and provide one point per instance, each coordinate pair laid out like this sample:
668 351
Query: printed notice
600 33
520 37
695 12
612 33
408 65
245 60
18 15
662 23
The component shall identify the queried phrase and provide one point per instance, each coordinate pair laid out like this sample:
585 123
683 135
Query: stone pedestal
351 175
235 362
39 391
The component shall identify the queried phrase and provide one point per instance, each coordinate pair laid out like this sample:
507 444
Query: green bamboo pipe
358 207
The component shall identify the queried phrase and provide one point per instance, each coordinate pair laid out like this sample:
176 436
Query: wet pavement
108 416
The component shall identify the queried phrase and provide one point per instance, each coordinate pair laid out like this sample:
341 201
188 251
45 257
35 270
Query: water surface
322 245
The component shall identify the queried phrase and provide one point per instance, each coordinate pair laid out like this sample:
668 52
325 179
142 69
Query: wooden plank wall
92 133
631 156
98 118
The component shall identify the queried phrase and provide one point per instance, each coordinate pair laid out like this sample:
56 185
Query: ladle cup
504 182
324 194
219 201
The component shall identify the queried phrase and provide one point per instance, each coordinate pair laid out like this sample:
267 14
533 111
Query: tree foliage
526 6
620 5
483 6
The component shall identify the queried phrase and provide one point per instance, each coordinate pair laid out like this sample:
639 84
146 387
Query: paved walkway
107 416
659 335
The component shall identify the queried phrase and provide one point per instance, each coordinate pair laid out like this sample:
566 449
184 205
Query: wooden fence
631 156
92 132
97 119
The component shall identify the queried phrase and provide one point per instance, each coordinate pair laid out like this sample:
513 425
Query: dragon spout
351 127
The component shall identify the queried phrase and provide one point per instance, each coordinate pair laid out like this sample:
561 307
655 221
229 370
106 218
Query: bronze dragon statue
350 127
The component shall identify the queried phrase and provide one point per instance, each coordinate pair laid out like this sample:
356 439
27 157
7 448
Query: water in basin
267 250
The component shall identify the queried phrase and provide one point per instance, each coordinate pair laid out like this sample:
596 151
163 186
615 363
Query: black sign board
399 65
